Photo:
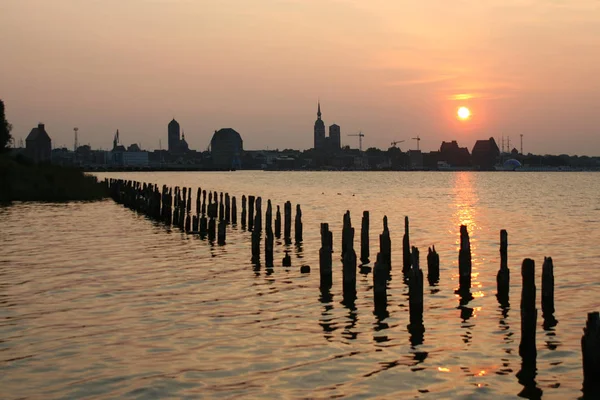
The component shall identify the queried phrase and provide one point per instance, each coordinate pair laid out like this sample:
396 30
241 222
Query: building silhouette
485 154
321 142
177 143
226 149
38 145
319 133
335 140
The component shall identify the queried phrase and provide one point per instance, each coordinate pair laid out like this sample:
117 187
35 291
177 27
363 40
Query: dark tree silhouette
5 129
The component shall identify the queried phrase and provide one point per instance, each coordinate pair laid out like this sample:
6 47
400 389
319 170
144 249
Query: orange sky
393 69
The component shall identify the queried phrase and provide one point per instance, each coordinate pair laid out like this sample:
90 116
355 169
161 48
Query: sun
463 113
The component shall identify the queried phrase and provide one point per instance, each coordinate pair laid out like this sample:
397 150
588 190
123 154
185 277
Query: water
99 302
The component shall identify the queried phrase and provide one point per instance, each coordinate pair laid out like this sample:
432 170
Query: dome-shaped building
226 148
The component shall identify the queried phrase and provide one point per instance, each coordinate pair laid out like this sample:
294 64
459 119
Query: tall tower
319 130
335 137
173 135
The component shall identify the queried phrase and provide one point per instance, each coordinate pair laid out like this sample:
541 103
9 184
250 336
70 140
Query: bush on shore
21 180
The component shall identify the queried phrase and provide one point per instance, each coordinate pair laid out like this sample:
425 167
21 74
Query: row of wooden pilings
174 207
214 211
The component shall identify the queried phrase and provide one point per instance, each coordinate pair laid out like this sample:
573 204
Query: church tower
173 135
319 130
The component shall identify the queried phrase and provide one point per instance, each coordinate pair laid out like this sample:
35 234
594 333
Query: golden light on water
443 369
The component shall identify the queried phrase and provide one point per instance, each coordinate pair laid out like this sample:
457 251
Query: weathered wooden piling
210 197
269 239
346 226
528 311
184 199
364 238
464 260
222 232
590 349
433 265
258 219
548 293
385 245
221 207
287 227
203 202
195 221
203 226
349 261
189 201
251 200
298 225
415 290
406 256
212 227
188 223
243 215
198 201
227 208
503 277
287 260
256 234
278 223
380 278
325 257
233 211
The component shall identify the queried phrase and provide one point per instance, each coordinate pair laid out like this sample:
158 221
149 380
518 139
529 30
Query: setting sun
463 113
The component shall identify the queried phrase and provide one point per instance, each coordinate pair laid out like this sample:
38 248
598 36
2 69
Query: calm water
99 302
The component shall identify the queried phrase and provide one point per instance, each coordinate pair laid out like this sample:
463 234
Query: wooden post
222 232
183 205
464 260
548 293
212 227
258 219
278 223
203 226
287 231
325 259
380 277
406 256
269 239
385 245
528 310
415 290
433 266
250 212
346 226
364 238
188 223
590 349
198 202
527 346
256 237
243 216
349 262
503 277
287 260
233 211
221 207
227 208
298 225
189 201
195 221
203 202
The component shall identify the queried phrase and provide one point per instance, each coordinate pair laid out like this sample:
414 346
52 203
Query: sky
393 69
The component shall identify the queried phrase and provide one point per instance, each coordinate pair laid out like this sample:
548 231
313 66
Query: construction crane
418 139
360 136
395 142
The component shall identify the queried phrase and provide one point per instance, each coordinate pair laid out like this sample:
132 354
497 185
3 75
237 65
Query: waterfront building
173 132
454 155
38 145
485 154
226 149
